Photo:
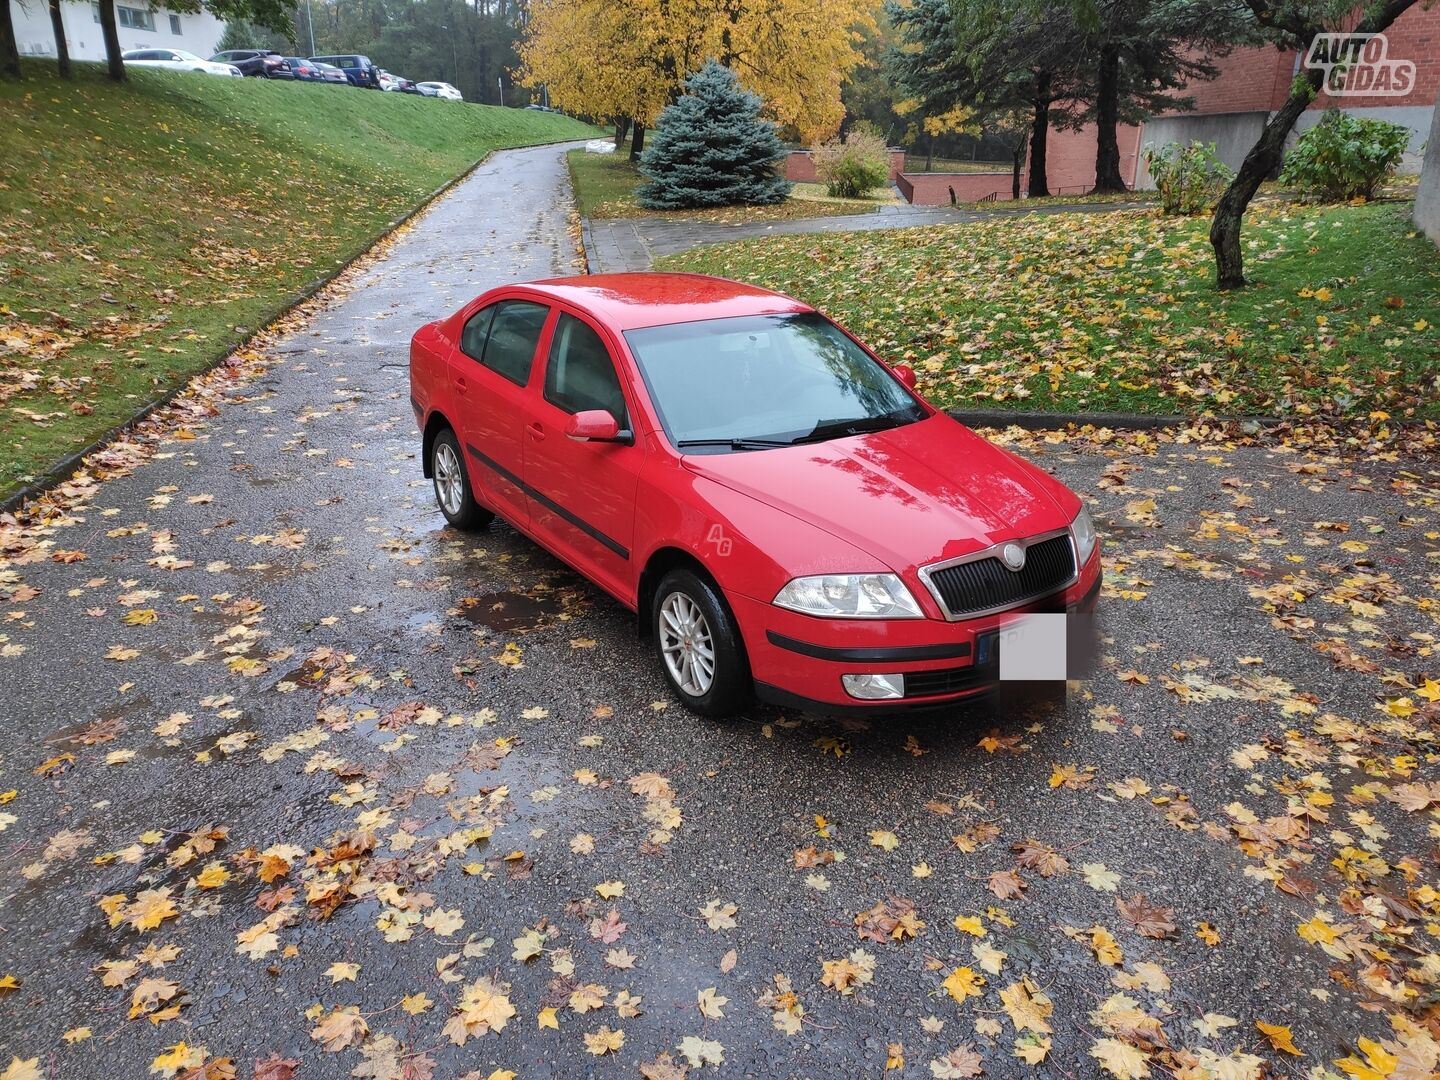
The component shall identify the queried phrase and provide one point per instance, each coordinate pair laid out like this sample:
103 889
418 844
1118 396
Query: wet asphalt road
445 743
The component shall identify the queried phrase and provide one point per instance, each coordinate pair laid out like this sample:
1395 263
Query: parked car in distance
256 62
387 81
330 73
305 70
177 60
440 90
358 69
785 514
407 86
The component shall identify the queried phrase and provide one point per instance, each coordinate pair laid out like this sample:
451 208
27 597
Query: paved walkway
298 770
618 244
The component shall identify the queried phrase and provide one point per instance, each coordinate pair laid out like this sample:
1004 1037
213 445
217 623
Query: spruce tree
712 148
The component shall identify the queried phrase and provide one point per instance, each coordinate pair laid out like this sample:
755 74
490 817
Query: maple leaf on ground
177 1059
1149 918
1028 1007
342 1027
1120 1060
719 915
1042 858
24 1069
958 1064
652 786
604 1041
963 983
1006 885
711 1003
1279 1037
700 1052
664 1067
848 972
609 929
1106 948
1099 878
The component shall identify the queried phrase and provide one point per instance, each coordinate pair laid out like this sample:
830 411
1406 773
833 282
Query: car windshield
759 381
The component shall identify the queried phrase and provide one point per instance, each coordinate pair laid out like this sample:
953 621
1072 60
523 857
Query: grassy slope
605 188
145 228
1117 311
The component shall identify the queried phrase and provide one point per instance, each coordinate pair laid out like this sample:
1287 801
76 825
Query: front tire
452 485
699 645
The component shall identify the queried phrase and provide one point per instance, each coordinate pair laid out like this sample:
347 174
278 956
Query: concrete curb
69 465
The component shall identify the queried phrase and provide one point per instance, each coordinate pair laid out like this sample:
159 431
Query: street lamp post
310 24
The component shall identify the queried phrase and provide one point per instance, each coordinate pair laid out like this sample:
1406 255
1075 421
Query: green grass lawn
605 188
147 228
1116 311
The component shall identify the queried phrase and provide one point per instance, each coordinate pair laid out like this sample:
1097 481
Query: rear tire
699 646
452 485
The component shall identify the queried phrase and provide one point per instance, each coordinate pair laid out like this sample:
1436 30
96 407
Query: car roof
630 301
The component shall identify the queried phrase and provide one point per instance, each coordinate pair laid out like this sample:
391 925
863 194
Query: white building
139 27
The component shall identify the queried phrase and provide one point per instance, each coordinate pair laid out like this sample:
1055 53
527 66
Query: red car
783 511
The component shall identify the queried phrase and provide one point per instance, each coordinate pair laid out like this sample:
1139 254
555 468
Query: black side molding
894 654
550 504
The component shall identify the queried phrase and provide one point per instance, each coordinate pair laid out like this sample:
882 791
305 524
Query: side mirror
595 425
905 373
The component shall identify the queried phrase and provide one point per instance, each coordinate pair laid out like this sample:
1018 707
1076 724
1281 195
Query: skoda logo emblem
1013 556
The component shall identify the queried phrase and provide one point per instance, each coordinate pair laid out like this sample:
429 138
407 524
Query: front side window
513 337
579 374
756 381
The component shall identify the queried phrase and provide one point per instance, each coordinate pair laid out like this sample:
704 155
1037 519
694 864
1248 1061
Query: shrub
854 166
712 148
1188 178
1344 157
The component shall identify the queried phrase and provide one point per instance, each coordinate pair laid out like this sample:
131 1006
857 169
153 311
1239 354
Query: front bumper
797 660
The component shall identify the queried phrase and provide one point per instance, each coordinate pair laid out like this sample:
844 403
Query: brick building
1230 111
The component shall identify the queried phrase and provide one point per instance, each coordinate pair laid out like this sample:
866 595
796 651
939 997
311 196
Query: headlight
850 596
1083 529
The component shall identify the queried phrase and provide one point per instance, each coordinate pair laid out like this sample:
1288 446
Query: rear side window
579 374
513 336
472 338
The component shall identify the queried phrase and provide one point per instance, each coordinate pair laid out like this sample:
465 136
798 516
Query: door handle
536 431
460 385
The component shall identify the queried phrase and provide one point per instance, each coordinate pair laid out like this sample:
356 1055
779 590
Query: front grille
988 584
949 681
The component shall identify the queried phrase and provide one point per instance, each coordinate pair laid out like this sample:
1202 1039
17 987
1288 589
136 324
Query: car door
490 374
583 493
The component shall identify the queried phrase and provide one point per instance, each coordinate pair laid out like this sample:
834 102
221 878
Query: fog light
874 687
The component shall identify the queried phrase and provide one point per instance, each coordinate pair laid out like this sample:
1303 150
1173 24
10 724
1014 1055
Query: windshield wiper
735 443
834 429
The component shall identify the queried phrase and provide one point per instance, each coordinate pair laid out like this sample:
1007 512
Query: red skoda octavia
787 516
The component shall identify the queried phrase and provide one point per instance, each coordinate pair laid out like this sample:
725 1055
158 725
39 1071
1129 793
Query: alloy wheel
687 644
449 485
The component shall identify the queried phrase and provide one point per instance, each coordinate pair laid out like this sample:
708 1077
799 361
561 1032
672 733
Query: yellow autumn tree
630 58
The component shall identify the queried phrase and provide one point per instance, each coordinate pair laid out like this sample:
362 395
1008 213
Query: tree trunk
9 49
637 141
1039 129
1107 118
1017 161
622 129
115 67
930 154
62 48
1259 164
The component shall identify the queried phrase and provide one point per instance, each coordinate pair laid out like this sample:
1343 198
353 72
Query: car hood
910 496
